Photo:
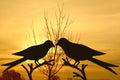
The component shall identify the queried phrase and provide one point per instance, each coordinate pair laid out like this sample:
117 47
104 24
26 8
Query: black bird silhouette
31 53
81 52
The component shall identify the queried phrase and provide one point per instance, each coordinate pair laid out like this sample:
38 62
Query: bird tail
12 64
104 64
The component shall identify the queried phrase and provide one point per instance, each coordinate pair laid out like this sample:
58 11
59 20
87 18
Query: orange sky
96 21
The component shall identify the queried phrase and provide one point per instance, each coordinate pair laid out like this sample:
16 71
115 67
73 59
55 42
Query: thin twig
31 68
83 76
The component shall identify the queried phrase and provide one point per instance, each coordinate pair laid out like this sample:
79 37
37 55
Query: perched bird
80 52
31 53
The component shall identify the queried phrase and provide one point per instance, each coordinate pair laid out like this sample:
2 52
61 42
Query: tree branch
82 70
31 68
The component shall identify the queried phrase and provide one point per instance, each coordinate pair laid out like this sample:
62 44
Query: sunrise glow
96 22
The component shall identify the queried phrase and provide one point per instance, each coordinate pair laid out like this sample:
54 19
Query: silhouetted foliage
11 75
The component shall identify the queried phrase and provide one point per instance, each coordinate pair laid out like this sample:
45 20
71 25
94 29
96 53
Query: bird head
50 43
62 41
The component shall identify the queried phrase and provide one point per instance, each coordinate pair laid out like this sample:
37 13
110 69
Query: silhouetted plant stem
28 72
82 70
32 68
54 33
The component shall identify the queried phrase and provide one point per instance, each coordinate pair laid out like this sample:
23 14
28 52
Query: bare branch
83 76
47 26
31 68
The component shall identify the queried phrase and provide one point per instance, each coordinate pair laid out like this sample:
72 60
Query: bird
31 53
79 52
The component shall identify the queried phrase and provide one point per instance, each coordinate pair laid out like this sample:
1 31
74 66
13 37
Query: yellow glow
96 21
32 61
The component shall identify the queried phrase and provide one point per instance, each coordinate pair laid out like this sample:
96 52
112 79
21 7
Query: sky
97 22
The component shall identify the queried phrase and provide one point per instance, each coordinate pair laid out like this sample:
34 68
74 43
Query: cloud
7 46
7 59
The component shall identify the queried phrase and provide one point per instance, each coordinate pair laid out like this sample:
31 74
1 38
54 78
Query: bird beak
53 45
57 44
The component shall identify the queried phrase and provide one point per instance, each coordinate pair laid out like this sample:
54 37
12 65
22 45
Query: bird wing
23 52
89 51
37 50
82 50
